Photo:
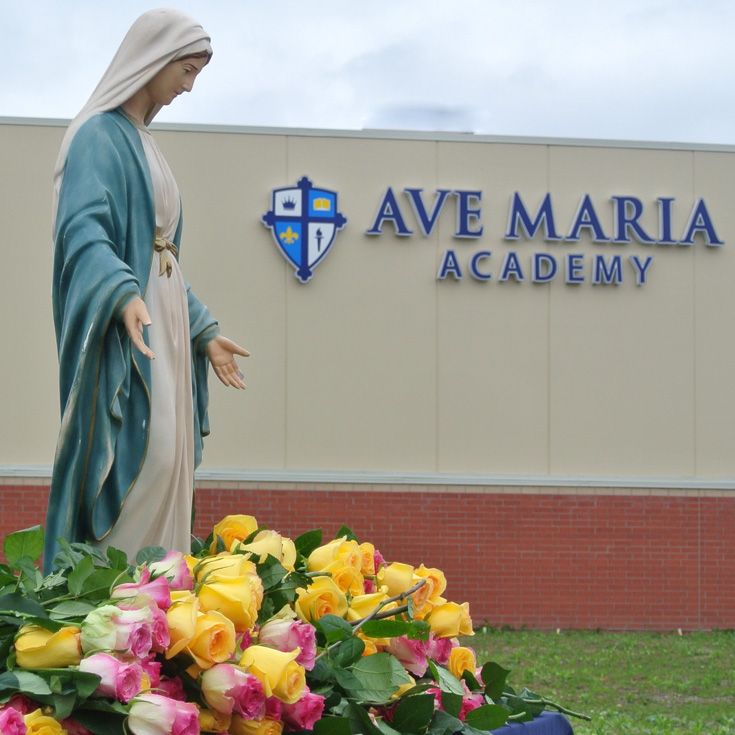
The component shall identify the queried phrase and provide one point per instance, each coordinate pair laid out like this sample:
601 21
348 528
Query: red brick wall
590 560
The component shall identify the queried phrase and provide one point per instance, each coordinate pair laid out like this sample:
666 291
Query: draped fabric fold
104 235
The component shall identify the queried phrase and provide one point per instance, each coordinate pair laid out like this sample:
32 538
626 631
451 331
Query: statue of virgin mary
134 342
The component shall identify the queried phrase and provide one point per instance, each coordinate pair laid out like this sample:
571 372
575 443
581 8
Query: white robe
157 511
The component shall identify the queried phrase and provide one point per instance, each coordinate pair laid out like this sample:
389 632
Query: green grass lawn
629 683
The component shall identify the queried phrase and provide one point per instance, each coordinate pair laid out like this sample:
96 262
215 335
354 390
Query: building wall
530 428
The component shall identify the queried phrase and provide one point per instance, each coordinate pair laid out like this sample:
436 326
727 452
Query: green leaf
493 675
347 652
360 720
79 575
379 676
118 558
333 726
28 543
307 542
487 717
385 728
18 621
444 724
334 628
15 602
393 628
413 714
150 554
346 679
472 683
101 723
23 681
271 572
71 609
452 703
447 682
344 531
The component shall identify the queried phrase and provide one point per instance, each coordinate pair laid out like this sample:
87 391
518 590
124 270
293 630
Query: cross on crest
304 221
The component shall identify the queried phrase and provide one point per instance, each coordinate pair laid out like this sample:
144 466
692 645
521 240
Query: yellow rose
213 641
271 542
348 552
397 577
362 605
241 726
211 721
38 648
223 565
233 528
436 581
347 578
451 620
372 645
277 671
39 724
238 598
367 560
462 659
182 622
321 598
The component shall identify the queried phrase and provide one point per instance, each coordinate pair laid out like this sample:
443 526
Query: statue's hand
135 316
221 353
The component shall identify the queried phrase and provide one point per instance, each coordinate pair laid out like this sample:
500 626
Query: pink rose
110 628
172 687
369 586
22 704
173 566
304 714
411 653
273 708
160 635
158 590
118 680
227 689
285 635
470 702
379 560
440 648
152 714
11 722
72 727
152 669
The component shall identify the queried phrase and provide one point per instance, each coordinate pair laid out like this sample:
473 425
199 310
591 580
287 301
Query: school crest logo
304 222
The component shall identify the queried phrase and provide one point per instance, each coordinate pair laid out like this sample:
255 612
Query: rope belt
166 248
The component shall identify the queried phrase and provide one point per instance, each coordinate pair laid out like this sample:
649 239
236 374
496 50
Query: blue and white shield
304 222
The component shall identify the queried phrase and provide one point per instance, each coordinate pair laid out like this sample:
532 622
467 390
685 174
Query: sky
650 70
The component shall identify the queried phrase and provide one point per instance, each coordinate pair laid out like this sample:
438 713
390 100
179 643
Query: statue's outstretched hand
135 316
221 352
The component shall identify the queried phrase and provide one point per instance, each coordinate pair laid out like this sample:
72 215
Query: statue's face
174 79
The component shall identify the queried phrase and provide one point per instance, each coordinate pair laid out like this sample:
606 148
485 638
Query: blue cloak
105 228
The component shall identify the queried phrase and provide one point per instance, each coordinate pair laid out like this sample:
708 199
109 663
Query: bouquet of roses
251 634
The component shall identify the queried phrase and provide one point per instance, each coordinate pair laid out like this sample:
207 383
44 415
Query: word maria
623 228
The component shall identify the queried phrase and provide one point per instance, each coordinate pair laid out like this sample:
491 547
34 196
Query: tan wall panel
493 337
621 376
28 369
714 323
361 335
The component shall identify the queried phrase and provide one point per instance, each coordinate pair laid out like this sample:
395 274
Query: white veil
155 39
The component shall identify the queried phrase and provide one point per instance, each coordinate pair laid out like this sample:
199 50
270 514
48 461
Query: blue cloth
547 723
105 228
